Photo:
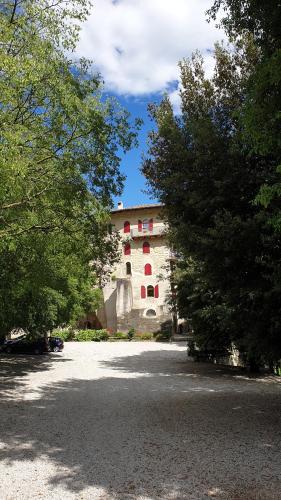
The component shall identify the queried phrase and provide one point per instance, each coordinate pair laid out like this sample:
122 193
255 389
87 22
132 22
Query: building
136 295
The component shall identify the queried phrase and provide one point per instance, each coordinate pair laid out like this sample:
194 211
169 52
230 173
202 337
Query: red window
156 291
146 247
150 224
143 292
127 226
127 249
140 226
147 269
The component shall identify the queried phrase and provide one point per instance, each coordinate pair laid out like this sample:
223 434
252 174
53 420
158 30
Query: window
127 226
153 291
145 224
150 313
128 268
147 269
143 292
146 247
127 249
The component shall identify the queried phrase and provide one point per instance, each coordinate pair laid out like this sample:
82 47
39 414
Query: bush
131 333
144 336
162 337
91 335
65 334
120 336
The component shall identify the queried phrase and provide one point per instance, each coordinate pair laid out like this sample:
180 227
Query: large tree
207 175
59 161
261 113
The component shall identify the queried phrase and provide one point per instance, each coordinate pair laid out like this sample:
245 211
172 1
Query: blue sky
136 46
135 182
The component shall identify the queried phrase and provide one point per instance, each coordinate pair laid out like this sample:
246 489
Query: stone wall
136 319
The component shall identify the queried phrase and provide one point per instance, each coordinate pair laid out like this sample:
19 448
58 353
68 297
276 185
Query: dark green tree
207 175
261 112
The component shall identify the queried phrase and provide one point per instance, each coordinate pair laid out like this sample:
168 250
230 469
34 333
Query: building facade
136 295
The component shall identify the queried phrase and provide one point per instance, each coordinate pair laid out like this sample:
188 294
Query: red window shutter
147 270
146 247
140 226
150 224
127 226
127 249
143 292
156 291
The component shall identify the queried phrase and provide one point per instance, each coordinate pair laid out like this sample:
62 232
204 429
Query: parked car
56 344
28 345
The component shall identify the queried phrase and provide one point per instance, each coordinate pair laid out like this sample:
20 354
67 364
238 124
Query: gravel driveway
136 421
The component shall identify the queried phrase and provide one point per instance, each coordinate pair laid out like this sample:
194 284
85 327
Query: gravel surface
136 421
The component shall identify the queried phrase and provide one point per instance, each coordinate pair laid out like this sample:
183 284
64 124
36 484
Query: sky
136 46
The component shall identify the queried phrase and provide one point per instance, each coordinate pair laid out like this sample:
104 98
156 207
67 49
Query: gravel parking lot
136 421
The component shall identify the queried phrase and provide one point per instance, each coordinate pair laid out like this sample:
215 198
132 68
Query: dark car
27 345
56 344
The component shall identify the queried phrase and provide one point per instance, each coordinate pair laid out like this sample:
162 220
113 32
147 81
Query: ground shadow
159 436
15 368
171 362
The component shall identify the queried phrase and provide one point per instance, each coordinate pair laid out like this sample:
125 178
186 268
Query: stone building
136 296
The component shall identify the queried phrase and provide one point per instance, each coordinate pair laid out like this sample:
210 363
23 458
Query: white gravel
136 421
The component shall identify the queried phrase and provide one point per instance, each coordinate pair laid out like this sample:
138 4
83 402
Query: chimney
120 205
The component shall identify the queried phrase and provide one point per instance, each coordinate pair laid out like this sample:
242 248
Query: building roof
138 207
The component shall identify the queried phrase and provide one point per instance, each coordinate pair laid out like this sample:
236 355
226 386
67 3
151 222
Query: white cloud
136 44
175 101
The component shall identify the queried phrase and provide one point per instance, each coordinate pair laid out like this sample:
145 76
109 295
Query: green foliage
91 335
203 168
261 112
144 336
120 336
163 336
131 333
59 163
66 334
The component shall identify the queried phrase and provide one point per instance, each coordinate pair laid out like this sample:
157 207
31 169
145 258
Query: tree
201 167
59 160
260 115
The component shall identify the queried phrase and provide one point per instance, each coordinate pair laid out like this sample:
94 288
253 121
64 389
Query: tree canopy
59 160
262 107
202 166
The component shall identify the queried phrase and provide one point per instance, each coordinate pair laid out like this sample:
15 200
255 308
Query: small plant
162 335
120 335
131 333
144 336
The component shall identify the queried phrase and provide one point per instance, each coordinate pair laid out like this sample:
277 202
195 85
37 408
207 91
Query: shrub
120 335
144 336
131 333
103 334
162 337
91 335
65 334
